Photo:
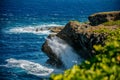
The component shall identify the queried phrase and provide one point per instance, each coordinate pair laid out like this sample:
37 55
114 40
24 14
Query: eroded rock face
99 18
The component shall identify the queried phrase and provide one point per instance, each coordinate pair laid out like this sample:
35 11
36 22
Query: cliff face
81 37
102 17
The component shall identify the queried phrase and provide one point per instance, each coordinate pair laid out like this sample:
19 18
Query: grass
112 23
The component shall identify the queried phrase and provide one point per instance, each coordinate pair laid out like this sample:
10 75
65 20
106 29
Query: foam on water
28 30
31 67
40 29
49 25
64 52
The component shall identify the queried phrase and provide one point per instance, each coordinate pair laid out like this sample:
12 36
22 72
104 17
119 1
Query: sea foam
65 52
28 30
39 29
31 67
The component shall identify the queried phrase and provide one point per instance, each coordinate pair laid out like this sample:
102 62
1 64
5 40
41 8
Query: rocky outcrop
81 37
52 29
102 17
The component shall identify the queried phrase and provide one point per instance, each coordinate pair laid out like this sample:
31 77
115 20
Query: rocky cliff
102 17
82 36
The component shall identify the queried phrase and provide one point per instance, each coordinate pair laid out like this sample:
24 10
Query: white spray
31 67
64 52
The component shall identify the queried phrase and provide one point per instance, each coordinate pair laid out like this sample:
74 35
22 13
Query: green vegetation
104 66
111 23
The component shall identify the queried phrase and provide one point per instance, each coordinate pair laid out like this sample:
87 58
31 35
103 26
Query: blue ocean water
21 57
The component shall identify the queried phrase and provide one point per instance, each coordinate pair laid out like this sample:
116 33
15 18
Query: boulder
102 17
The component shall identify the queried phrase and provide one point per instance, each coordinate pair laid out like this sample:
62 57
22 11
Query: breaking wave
29 30
40 29
31 67
65 52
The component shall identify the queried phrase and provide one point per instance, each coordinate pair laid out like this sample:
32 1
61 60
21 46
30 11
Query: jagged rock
102 17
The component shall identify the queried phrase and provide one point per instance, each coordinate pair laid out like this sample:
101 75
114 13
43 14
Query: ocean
21 57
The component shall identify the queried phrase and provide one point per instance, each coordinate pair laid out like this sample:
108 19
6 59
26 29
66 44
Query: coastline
82 38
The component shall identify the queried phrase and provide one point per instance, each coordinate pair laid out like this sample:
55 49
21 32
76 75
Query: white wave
64 52
40 29
28 30
49 25
30 67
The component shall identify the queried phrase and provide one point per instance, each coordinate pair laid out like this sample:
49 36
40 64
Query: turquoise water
21 57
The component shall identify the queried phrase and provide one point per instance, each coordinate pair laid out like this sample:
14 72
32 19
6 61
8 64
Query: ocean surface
21 57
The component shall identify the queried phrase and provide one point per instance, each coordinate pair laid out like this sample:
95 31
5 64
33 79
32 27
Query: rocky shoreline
52 29
82 36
